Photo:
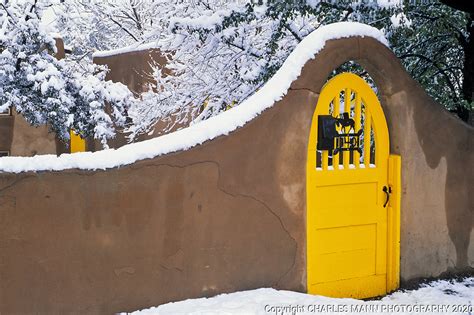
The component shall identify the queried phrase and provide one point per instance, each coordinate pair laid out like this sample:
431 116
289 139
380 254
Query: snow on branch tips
60 93
222 52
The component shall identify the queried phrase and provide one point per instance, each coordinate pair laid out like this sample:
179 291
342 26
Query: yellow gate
353 195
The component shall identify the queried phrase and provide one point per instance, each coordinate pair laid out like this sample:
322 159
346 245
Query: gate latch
387 191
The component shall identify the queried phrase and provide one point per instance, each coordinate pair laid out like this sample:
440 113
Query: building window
4 153
7 112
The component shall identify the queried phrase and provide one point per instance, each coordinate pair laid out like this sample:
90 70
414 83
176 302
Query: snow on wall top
123 50
196 134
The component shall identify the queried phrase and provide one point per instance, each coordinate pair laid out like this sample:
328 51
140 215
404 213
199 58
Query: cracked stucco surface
197 223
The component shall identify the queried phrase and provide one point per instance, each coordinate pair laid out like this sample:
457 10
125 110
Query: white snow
123 50
206 21
49 18
196 134
448 297
400 19
389 3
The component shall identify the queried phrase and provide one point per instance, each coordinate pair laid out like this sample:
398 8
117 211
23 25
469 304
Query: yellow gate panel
354 244
334 212
352 235
393 253
353 238
77 143
355 287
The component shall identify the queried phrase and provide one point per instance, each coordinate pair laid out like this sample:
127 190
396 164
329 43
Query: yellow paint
352 240
77 143
231 105
393 253
228 106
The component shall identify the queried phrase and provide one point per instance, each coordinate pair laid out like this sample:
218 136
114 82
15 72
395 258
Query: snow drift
437 297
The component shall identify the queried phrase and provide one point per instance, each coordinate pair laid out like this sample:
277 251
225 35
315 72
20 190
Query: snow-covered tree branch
61 93
223 52
219 53
90 25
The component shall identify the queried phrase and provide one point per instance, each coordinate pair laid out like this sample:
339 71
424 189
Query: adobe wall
19 138
229 214
28 140
135 69
6 132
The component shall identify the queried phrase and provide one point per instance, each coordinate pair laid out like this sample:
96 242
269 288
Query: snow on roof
123 50
274 90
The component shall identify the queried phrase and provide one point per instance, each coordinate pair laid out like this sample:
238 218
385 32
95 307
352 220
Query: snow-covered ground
438 297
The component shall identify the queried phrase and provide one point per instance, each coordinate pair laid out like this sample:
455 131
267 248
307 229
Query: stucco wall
229 214
6 132
20 138
29 140
135 69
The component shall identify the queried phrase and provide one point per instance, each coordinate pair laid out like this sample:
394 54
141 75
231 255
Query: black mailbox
326 132
334 141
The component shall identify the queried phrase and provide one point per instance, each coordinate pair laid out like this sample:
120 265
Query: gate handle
387 191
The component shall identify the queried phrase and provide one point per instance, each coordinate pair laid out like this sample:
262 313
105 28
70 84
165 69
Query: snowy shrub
61 93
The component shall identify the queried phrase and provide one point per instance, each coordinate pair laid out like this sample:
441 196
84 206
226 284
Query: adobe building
19 138
134 68
6 132
272 193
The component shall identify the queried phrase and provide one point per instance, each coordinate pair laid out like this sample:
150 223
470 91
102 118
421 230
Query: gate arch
352 237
